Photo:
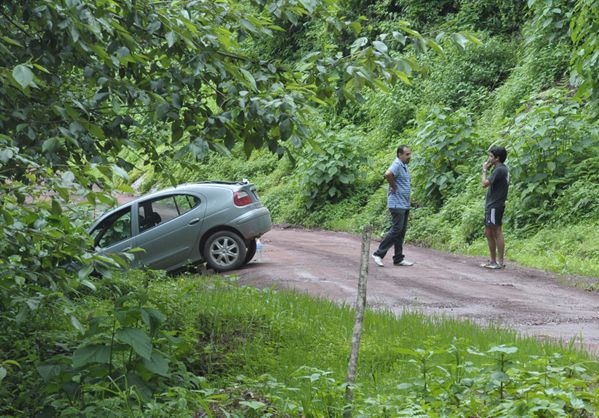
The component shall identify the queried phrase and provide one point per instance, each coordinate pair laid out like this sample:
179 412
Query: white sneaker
378 260
404 262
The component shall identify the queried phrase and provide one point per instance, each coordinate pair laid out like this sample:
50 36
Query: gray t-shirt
498 185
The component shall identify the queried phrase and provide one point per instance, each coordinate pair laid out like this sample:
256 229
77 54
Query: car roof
197 187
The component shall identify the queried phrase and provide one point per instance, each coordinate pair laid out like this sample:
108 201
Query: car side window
163 209
185 202
114 229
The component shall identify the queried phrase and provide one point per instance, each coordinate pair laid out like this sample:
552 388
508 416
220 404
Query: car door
169 227
114 233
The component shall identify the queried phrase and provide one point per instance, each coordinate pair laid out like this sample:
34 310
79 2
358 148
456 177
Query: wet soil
326 264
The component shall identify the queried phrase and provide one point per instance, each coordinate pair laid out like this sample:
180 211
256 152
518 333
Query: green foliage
329 168
466 78
550 19
283 348
445 149
136 57
114 364
419 13
285 202
548 139
455 227
102 68
233 166
540 68
392 112
580 199
496 17
249 352
91 90
571 250
122 350
493 16
576 20
46 249
585 56
458 389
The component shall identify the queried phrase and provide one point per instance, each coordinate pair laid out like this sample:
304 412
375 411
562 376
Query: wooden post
360 307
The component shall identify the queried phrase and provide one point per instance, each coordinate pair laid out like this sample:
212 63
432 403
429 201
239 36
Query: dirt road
326 264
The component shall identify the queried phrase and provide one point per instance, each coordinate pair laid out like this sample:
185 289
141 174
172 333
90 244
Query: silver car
215 222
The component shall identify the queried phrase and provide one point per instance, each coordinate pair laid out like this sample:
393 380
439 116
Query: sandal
491 266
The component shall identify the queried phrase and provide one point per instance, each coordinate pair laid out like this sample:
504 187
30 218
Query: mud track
326 264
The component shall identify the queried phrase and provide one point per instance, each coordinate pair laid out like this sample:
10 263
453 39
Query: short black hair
401 149
499 152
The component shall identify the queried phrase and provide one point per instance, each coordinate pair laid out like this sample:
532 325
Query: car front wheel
225 250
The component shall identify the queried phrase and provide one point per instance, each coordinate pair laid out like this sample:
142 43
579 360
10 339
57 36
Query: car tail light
241 198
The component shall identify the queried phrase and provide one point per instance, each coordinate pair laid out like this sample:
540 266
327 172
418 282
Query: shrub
548 139
580 200
572 251
329 168
285 203
540 68
428 228
550 19
394 111
464 211
494 16
465 78
445 149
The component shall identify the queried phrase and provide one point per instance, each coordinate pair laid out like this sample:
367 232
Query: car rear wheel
224 250
251 250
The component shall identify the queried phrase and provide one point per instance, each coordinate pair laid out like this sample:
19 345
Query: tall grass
243 351
294 348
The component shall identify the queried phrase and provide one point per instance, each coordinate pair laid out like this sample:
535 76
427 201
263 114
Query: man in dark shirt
497 184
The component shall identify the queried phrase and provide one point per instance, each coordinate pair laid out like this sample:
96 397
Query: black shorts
494 216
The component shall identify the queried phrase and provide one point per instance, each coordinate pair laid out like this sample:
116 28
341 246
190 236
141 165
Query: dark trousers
395 236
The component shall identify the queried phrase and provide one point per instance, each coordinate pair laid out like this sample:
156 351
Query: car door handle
194 221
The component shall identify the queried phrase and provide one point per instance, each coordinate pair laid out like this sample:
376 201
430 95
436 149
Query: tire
224 251
251 250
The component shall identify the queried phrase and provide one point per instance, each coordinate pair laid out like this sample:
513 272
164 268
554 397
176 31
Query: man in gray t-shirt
497 185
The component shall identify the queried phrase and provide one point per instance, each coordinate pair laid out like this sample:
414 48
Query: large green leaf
6 154
11 41
503 349
138 339
459 40
93 353
380 46
157 363
250 78
285 129
23 75
77 325
152 317
50 145
49 371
